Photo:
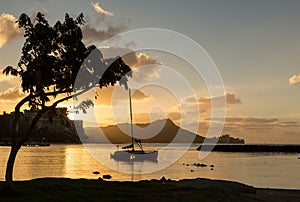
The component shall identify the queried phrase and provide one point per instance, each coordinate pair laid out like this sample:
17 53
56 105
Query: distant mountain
160 131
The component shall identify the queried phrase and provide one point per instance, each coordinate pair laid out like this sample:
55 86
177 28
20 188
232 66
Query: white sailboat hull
135 156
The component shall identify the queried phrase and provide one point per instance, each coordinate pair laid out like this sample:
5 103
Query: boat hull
135 156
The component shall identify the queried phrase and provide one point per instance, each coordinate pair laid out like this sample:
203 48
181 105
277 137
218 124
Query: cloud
9 29
100 10
98 28
114 94
231 99
175 116
295 79
204 103
4 78
7 81
145 67
147 117
92 34
258 130
139 95
247 120
11 94
257 124
192 111
139 59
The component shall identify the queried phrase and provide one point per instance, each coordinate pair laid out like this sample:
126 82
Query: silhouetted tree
51 58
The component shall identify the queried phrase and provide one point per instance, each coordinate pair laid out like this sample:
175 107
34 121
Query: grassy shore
57 189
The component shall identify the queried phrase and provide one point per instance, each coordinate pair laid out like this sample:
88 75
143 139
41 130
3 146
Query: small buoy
201 165
106 177
192 170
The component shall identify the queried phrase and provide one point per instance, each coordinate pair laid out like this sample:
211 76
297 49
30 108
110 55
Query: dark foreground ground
54 189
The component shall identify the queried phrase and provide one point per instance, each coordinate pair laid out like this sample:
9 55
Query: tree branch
15 123
17 118
44 111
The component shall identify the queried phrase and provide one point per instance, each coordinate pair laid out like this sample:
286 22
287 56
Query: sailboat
130 153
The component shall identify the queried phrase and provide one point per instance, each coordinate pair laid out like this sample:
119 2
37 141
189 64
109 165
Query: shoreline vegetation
243 148
199 189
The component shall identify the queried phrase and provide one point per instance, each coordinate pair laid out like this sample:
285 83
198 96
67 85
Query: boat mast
130 107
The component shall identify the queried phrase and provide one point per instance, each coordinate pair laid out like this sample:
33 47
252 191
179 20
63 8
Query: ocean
268 170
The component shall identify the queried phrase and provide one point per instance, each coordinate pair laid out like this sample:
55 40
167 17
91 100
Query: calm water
73 161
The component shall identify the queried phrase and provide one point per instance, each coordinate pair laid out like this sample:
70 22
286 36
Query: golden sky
254 44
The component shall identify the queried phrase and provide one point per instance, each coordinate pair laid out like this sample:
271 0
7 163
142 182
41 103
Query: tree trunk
17 142
16 145
9 168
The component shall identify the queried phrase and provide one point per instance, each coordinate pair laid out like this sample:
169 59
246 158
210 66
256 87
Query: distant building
55 126
6 124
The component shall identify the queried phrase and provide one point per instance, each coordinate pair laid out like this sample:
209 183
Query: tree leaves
52 57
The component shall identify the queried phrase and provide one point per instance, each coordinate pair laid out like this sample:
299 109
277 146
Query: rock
192 170
106 177
96 172
201 165
187 164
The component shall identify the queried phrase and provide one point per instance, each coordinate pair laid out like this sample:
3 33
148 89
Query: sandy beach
63 189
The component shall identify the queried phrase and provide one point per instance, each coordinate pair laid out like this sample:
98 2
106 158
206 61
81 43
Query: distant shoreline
198 189
251 148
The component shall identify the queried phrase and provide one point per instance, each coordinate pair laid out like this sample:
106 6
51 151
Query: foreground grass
52 189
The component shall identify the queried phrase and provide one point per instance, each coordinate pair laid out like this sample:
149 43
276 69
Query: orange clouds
92 34
114 94
254 129
9 29
204 103
231 99
12 94
100 10
145 67
295 79
175 116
